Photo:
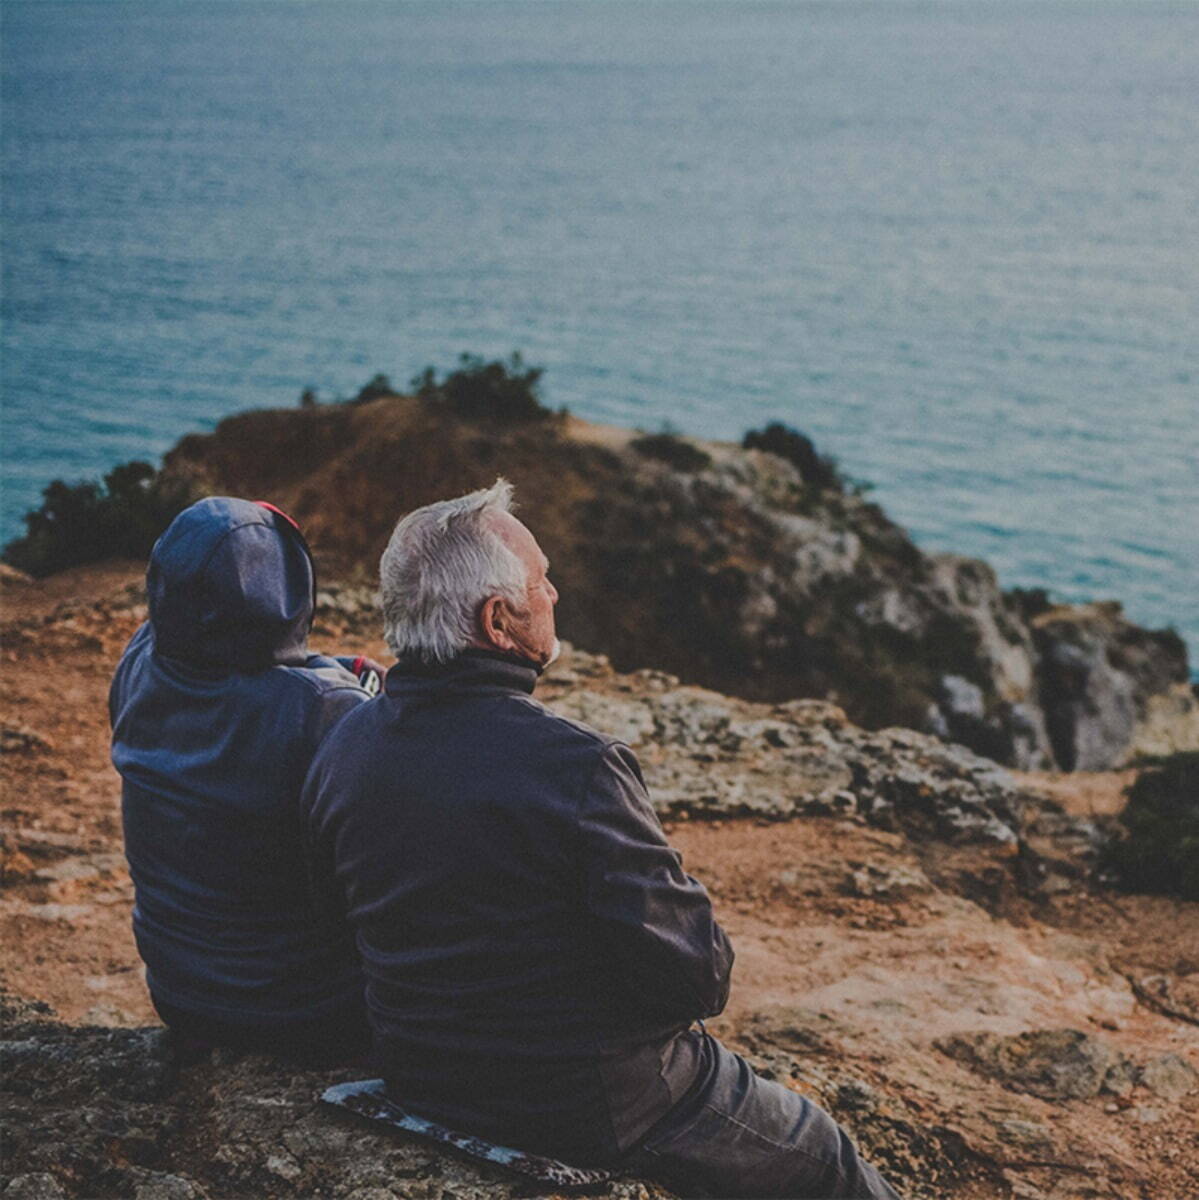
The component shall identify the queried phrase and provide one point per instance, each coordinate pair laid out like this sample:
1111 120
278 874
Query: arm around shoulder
336 702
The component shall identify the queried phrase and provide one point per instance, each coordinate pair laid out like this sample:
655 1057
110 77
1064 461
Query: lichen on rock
710 755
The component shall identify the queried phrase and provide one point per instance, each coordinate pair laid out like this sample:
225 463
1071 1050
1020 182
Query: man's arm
655 920
324 893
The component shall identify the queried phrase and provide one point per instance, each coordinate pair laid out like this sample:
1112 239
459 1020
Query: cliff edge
757 572
920 947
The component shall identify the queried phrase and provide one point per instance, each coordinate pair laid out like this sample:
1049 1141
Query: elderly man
535 956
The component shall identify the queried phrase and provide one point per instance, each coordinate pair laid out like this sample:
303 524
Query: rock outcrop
707 755
727 567
1106 683
921 948
1055 1064
118 1113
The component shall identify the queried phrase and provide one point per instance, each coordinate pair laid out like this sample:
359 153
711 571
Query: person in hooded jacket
217 709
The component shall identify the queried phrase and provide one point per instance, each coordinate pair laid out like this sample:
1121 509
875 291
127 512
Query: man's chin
555 651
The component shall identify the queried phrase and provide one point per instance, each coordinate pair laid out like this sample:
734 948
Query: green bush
818 470
1160 852
377 388
498 390
1031 602
672 450
88 522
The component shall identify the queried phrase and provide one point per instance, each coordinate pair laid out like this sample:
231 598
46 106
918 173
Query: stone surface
1099 674
11 577
1170 724
35 1185
17 739
859 984
1169 1077
1177 996
1055 1064
112 1113
710 755
1032 1136
886 881
158 1185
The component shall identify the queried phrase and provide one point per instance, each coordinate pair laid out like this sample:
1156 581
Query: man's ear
494 621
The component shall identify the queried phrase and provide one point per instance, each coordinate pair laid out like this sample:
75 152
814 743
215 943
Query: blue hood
231 587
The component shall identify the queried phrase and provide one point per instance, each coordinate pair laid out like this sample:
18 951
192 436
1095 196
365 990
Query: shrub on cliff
1160 852
1029 602
818 470
672 450
375 389
498 390
87 522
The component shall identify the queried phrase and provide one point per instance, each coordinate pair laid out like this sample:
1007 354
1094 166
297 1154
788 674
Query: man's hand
368 671
362 663
370 674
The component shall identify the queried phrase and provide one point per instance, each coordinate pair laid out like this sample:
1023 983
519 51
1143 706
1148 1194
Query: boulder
1170 1077
708 755
84 1119
1054 1064
1098 676
115 1112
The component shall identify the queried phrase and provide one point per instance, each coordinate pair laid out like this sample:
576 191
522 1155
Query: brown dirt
872 979
1082 793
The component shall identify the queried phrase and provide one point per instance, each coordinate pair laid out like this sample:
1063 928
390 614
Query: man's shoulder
320 676
550 724
318 697
138 649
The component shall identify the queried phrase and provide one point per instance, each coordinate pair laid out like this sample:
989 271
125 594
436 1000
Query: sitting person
217 709
535 956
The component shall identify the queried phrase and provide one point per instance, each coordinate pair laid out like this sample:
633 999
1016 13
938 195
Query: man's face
531 631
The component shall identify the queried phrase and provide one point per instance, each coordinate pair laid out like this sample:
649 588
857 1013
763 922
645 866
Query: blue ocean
956 242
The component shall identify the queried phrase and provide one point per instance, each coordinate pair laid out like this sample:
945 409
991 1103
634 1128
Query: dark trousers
340 1040
736 1134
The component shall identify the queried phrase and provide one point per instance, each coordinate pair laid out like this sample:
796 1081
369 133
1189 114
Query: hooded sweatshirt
217 709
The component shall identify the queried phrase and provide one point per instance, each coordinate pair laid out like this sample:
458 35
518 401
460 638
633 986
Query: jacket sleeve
335 703
654 920
344 662
324 892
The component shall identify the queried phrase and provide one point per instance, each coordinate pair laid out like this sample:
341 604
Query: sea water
957 243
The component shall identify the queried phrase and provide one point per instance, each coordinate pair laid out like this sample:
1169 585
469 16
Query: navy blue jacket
532 947
217 709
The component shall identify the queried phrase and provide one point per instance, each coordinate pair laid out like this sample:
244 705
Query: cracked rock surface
921 948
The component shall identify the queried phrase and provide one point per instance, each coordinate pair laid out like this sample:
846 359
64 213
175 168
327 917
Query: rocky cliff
920 946
756 573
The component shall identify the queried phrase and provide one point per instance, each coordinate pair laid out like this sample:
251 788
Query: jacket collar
472 670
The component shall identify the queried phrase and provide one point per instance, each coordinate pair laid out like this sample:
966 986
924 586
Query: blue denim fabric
738 1135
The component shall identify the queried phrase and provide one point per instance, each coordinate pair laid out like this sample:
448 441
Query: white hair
442 562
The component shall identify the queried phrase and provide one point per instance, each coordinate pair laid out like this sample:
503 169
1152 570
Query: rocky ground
919 946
